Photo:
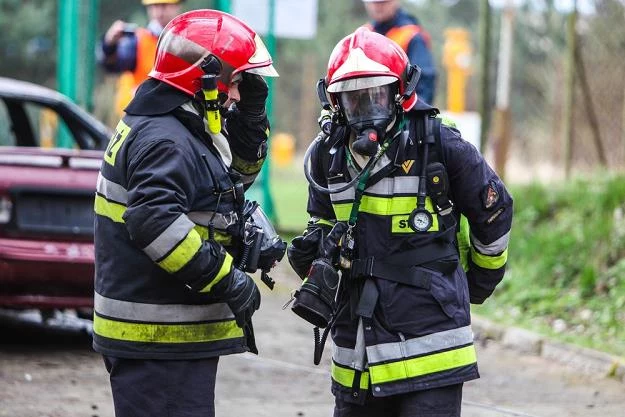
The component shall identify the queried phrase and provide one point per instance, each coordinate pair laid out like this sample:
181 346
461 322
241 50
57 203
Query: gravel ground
56 374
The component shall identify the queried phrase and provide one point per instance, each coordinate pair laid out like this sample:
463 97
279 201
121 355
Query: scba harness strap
415 267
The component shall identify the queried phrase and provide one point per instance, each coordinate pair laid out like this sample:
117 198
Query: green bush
566 271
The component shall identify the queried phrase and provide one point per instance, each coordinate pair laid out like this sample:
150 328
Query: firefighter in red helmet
383 270
171 290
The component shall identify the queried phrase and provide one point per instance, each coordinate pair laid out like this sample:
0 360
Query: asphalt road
55 374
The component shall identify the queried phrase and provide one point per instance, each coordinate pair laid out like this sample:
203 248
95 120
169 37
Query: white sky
564 6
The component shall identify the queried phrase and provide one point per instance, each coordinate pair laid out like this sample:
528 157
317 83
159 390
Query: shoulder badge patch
407 165
490 195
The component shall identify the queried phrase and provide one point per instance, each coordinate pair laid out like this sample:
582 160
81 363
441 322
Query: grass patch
289 191
566 274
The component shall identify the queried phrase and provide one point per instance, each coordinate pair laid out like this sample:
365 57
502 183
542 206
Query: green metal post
223 5
67 52
77 23
264 174
88 30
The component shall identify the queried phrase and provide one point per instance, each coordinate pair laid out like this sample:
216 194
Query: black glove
316 243
482 283
241 294
330 245
303 250
253 91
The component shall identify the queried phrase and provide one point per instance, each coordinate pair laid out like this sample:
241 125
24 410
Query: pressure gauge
420 220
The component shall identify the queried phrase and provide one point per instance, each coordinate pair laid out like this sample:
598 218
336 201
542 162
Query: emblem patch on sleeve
490 195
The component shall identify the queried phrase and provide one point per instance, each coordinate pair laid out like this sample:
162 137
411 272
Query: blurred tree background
28 51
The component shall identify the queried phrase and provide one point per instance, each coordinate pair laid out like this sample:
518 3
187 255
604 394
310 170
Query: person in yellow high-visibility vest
129 50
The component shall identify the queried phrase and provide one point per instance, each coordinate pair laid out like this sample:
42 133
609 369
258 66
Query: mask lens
372 103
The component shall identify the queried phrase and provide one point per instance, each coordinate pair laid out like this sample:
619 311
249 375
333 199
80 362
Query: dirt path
57 375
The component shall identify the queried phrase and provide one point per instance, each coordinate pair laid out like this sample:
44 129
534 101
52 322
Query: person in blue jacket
391 20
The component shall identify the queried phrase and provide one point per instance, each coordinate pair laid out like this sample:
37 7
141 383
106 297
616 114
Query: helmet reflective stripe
261 56
360 83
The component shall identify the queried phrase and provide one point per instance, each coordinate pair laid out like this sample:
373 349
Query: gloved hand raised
241 294
253 91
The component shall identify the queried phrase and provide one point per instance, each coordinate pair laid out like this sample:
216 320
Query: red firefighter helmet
366 59
190 39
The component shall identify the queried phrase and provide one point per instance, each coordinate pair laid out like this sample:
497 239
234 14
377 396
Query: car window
6 137
31 124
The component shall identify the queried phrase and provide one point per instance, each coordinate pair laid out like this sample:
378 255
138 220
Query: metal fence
540 146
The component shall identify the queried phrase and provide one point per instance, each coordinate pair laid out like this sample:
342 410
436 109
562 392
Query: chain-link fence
540 144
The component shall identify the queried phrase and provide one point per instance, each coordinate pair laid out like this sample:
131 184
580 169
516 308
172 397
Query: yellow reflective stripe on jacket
464 242
321 221
424 365
345 376
225 269
220 237
113 211
184 252
384 206
166 333
489 262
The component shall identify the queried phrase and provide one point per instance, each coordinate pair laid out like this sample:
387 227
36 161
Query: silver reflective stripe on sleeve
111 191
494 248
420 345
220 221
170 238
160 313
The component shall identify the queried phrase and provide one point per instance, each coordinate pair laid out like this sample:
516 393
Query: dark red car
46 198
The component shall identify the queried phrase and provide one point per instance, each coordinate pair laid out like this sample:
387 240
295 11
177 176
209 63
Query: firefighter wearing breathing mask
171 289
380 257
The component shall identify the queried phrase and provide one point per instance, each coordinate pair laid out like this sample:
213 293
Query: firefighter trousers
436 402
168 388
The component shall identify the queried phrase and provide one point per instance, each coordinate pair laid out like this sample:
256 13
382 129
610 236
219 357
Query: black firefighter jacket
419 335
161 183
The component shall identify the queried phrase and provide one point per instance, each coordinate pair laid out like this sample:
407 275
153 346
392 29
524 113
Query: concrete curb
585 361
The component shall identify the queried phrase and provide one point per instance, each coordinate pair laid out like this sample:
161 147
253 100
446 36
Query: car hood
49 168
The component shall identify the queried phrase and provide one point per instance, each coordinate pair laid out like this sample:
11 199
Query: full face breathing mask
368 112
